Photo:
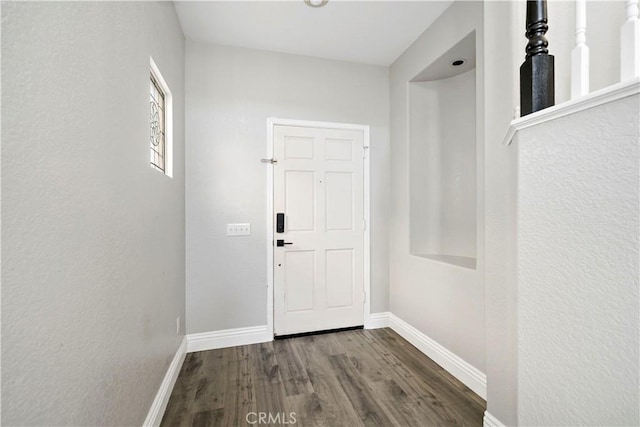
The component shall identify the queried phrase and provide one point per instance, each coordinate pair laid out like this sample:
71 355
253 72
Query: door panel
299 280
339 283
300 200
318 185
338 149
339 201
298 148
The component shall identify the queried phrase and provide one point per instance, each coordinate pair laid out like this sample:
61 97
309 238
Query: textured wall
578 269
230 94
504 52
443 301
92 237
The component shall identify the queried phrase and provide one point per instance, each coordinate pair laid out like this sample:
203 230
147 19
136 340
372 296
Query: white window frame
168 120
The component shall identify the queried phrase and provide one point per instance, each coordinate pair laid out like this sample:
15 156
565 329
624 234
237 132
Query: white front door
319 187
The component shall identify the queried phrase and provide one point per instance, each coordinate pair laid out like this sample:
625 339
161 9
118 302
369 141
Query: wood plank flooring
351 378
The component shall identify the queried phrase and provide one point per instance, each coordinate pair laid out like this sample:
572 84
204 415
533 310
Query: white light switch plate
239 229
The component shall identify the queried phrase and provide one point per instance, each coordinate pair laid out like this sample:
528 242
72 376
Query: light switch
243 229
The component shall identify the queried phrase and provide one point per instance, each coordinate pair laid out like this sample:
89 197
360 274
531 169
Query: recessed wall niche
443 156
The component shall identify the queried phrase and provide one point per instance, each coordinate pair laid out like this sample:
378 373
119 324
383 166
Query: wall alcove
442 158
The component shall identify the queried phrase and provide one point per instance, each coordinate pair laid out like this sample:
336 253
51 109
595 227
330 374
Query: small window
159 122
157 125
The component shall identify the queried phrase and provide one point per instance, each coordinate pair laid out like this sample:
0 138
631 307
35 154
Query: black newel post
536 73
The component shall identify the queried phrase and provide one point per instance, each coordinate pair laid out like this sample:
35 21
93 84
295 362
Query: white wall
504 24
443 301
442 168
230 94
502 32
578 269
92 237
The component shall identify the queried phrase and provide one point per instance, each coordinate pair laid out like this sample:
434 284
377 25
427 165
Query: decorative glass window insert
157 122
160 122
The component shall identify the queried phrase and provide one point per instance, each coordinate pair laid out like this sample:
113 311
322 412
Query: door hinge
364 224
272 161
364 152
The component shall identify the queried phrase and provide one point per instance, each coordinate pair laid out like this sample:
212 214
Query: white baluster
630 43
580 54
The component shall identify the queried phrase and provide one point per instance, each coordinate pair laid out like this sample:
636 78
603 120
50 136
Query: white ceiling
370 32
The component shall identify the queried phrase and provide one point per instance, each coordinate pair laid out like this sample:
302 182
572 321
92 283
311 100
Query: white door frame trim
273 121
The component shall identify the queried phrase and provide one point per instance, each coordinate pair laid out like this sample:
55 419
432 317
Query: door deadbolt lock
280 222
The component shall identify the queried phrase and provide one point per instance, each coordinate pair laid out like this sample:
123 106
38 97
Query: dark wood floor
353 378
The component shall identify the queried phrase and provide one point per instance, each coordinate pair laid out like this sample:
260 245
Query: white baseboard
159 405
377 320
468 374
227 338
491 421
